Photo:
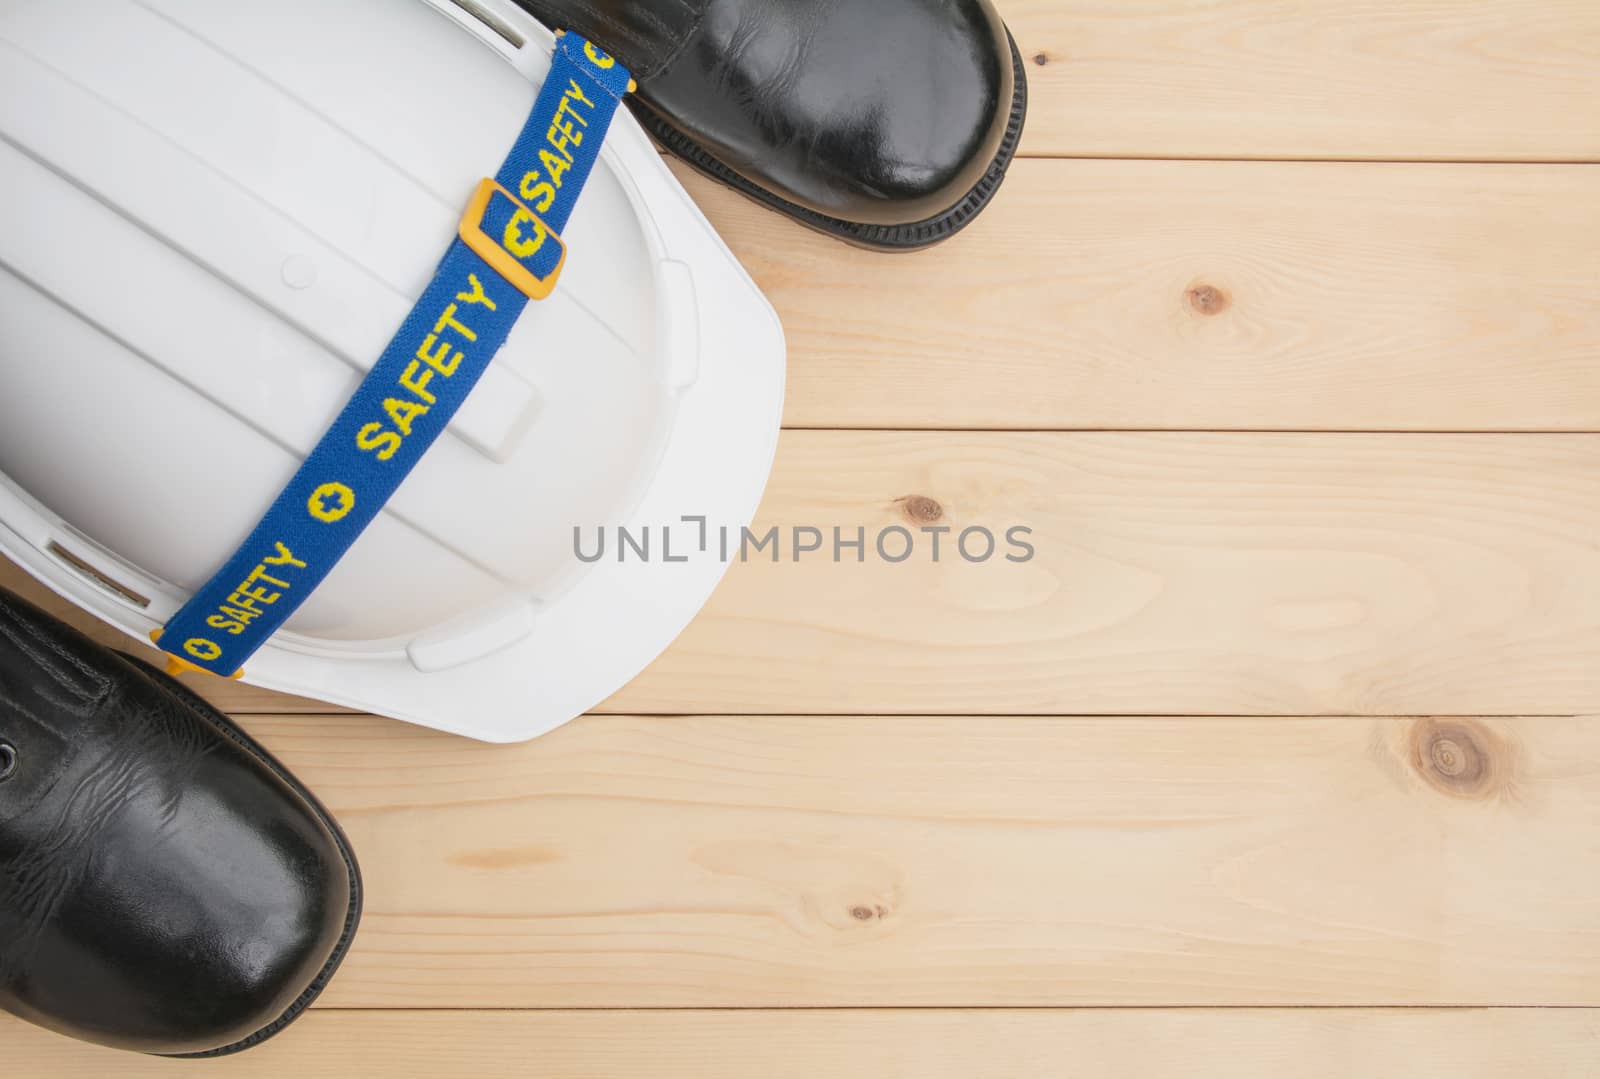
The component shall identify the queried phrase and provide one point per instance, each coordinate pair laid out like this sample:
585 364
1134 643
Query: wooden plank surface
925 1044
963 859
1250 574
977 861
1205 295
1474 80
1173 574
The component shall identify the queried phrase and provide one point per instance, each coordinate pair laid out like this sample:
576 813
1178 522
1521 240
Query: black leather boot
887 123
165 885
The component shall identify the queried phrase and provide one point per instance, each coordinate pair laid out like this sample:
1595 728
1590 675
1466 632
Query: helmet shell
218 214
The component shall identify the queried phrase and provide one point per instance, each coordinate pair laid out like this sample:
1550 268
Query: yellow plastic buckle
177 666
495 253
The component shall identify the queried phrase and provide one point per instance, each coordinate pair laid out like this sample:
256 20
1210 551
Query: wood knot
1208 300
863 913
1459 757
920 509
1041 58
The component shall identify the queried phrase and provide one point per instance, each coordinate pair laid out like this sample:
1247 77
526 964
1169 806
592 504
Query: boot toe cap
202 937
888 113
165 885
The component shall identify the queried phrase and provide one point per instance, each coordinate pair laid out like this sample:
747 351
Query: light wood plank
1104 1044
1175 574
1249 574
824 861
1426 79
1202 295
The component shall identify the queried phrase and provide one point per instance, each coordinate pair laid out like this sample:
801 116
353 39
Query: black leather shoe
165 885
887 123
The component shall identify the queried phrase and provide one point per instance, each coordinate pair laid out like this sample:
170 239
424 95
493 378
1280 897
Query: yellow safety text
439 355
539 188
260 589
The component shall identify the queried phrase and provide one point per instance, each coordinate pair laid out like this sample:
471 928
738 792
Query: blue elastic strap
509 251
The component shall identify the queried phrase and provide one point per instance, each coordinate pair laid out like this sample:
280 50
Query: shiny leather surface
882 112
162 887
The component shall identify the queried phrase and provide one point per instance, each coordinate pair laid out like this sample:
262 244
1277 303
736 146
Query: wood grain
1173 574
974 861
927 1044
1252 574
1155 883
1243 574
1205 295
1474 80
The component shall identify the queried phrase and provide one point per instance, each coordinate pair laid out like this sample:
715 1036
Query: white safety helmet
217 212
